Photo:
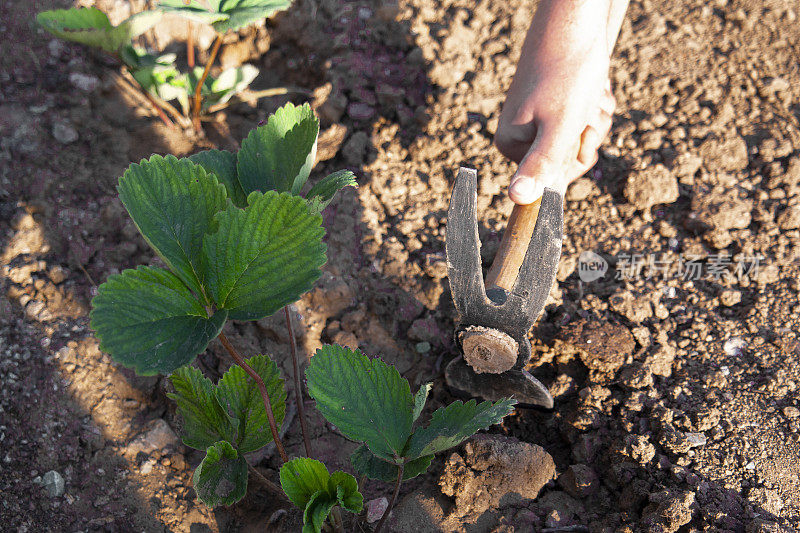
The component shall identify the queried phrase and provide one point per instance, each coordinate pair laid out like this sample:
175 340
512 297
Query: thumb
545 165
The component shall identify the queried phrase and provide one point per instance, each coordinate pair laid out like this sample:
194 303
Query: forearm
583 24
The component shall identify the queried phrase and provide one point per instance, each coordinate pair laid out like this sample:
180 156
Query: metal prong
519 384
539 267
462 244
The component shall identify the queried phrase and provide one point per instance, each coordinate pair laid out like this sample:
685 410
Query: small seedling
240 241
157 75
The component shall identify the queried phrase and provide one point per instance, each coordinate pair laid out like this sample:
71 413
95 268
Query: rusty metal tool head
495 317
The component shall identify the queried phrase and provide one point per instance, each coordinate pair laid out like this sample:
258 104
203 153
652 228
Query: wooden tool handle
514 246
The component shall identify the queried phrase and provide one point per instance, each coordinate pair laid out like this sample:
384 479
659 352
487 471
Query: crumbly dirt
683 416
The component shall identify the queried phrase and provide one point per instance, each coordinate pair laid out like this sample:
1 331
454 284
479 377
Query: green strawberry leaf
194 10
238 394
301 478
364 463
246 12
231 81
345 487
173 202
222 164
204 420
453 424
91 27
311 488
420 398
225 15
221 478
365 398
264 256
316 512
322 193
279 155
146 319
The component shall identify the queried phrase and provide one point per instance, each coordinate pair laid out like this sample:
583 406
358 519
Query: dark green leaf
222 164
173 203
364 463
225 15
245 12
238 394
316 511
345 487
148 320
279 155
323 191
221 478
420 398
301 478
309 486
453 424
204 420
263 257
365 398
194 10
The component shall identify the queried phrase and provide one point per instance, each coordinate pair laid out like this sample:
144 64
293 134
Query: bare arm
558 109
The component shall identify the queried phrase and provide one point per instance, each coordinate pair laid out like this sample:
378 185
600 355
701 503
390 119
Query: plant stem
262 388
189 44
269 485
298 391
394 497
336 515
198 90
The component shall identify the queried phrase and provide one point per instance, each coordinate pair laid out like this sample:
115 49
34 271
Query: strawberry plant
240 241
157 75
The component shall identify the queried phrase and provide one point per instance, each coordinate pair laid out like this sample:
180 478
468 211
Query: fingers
592 137
555 159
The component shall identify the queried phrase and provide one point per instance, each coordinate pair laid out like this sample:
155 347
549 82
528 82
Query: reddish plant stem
298 391
394 498
189 44
262 388
198 90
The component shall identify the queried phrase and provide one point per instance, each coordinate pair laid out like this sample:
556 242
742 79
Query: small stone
53 483
375 509
159 436
660 361
84 82
425 330
64 132
580 189
730 297
636 376
422 347
56 48
57 274
651 186
790 218
696 439
791 412
579 481
734 346
635 309
602 346
728 154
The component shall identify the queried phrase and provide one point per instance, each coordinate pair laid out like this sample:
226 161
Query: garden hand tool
495 317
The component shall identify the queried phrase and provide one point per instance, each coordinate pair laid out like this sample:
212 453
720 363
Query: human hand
559 107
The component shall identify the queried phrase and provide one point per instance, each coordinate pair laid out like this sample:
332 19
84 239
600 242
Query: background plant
157 74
